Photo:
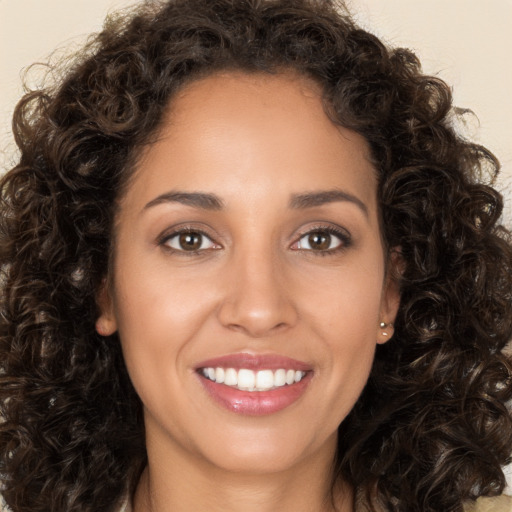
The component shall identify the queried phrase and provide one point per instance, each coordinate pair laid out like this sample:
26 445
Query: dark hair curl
431 428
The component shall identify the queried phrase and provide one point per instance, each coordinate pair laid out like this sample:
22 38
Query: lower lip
256 403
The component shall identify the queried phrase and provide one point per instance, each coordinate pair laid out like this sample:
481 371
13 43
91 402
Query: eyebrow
207 201
312 199
200 200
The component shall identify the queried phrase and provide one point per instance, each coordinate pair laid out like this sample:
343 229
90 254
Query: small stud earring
384 325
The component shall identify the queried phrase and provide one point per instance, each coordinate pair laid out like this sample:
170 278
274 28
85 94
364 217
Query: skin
255 286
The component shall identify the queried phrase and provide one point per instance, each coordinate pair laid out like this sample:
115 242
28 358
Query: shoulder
499 504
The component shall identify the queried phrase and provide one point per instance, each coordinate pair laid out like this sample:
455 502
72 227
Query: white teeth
230 377
280 378
246 379
219 375
249 380
265 379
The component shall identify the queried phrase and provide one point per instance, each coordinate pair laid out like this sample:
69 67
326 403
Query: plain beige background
466 42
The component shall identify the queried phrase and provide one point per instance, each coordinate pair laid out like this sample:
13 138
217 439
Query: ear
106 323
390 300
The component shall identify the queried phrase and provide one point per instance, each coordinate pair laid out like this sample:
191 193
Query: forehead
232 132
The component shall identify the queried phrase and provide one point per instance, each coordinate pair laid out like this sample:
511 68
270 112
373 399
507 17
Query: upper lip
255 362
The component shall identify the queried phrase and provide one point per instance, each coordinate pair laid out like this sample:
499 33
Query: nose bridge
257 300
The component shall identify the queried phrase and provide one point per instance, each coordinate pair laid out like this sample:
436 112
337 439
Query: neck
189 485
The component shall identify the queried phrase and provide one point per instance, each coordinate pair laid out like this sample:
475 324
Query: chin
266 451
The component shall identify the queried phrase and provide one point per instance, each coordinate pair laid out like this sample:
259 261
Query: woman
248 265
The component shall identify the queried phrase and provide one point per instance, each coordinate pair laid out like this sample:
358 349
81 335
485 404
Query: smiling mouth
245 379
254 384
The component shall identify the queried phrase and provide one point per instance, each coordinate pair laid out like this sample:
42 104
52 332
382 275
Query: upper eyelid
325 227
186 228
343 235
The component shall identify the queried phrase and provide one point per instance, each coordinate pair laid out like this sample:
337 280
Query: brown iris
319 241
190 241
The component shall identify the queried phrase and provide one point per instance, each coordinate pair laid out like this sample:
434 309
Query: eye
189 241
322 240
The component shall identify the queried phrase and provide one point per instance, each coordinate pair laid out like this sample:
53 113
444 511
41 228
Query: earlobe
385 332
105 326
390 297
388 311
106 323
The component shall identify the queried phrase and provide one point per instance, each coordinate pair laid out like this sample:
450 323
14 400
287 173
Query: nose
259 295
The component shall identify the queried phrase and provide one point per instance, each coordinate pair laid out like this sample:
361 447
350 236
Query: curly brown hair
430 430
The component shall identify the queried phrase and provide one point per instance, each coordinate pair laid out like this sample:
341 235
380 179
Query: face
249 275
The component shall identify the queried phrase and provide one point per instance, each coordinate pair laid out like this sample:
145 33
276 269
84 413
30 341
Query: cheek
345 304
345 319
157 315
158 299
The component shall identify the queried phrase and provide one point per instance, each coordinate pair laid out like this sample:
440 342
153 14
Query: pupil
190 241
320 241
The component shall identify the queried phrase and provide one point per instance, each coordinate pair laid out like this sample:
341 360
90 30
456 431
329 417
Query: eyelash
342 235
164 240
